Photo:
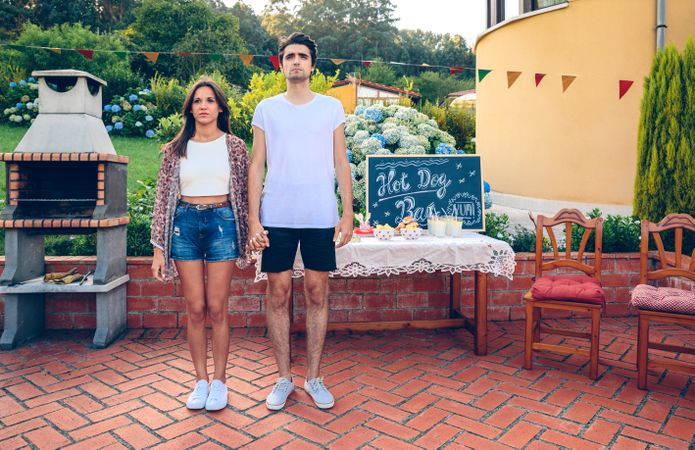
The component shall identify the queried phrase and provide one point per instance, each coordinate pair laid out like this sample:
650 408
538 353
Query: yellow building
353 92
543 148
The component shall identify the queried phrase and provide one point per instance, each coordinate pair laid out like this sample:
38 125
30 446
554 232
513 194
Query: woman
199 226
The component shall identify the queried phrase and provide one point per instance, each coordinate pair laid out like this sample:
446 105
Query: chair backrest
567 217
666 267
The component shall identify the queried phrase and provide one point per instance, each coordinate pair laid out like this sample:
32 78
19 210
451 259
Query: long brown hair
187 131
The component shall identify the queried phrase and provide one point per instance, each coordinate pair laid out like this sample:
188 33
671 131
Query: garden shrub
20 105
168 93
168 127
132 114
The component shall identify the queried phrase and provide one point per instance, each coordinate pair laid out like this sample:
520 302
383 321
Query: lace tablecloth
370 257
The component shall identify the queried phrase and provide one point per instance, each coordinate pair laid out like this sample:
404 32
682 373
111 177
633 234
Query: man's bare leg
316 295
278 319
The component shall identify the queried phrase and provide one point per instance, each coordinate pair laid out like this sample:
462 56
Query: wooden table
471 252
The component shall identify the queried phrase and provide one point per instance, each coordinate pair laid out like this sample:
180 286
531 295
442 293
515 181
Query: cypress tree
659 138
685 158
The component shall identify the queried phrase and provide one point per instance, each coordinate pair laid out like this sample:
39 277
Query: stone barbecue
64 177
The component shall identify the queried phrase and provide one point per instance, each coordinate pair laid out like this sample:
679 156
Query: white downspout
660 24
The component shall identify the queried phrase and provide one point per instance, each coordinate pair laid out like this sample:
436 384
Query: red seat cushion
663 299
569 288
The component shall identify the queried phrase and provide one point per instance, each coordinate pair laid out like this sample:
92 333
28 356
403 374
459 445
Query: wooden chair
582 294
663 304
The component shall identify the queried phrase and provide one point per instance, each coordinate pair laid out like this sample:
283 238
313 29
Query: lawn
143 154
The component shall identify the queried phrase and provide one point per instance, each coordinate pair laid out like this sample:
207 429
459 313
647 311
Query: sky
464 17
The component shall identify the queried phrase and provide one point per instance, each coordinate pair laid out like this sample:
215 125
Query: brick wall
152 304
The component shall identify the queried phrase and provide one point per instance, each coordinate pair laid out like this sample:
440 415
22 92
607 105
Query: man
300 135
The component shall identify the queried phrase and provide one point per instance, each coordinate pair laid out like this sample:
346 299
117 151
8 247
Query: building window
540 4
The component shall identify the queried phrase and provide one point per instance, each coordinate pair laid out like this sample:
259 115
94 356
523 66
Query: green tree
434 86
48 13
684 177
278 19
189 26
13 13
381 73
110 66
661 141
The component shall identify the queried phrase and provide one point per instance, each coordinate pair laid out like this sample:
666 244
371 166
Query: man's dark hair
301 39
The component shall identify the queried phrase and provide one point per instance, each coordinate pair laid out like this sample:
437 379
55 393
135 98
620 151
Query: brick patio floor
408 389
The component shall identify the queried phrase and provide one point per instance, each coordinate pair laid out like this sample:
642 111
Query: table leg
455 296
480 336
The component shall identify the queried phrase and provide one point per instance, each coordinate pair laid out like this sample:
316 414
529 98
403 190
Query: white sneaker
322 398
199 395
277 398
217 399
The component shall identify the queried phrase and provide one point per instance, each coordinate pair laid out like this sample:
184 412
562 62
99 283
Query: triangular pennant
623 87
55 50
216 56
454 70
275 61
539 77
152 56
512 77
423 64
566 81
89 54
183 54
338 61
246 59
482 73
366 64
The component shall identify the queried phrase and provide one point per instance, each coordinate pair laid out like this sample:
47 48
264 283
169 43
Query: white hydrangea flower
351 129
432 123
370 146
360 136
427 131
383 151
408 141
361 169
447 138
424 142
392 135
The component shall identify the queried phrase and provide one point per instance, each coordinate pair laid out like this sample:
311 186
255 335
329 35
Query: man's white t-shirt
299 190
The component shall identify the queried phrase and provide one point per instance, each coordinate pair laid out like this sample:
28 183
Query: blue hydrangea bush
390 130
20 105
132 114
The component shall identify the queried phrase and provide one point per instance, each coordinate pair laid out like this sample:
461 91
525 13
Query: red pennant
275 61
623 87
89 54
455 70
366 64
539 77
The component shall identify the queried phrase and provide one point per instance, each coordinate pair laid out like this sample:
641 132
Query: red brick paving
406 389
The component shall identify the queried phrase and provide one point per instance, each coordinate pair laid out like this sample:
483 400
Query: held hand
343 231
258 237
158 268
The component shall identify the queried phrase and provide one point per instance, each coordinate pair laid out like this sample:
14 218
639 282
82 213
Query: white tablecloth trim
499 262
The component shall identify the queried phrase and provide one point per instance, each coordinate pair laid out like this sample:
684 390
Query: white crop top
205 169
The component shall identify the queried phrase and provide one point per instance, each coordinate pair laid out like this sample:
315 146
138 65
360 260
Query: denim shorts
208 235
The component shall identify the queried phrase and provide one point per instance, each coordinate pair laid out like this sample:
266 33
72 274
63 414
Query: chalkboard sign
424 185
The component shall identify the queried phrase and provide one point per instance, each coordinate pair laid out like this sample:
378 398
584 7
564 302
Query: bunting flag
539 77
152 56
482 73
512 77
567 80
623 87
246 59
89 54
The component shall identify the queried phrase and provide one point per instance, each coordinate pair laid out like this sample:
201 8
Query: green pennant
482 73
216 56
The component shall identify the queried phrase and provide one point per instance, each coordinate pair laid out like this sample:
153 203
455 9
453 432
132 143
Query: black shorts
315 244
